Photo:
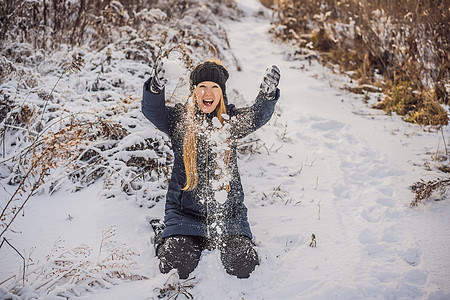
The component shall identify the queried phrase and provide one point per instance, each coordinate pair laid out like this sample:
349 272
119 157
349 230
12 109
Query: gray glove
158 80
270 82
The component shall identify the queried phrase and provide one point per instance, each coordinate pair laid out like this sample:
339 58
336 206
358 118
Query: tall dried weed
425 190
71 272
401 47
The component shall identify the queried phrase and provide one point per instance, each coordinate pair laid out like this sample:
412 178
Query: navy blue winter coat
196 212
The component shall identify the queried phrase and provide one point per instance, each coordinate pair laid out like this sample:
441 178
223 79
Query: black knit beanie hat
210 71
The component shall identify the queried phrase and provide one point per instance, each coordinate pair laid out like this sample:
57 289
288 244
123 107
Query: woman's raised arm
154 108
248 119
154 100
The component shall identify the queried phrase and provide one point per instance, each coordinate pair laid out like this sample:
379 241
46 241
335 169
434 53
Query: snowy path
354 177
333 167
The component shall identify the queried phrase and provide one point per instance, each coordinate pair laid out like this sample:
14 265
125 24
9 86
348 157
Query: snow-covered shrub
72 272
425 190
32 164
76 68
173 287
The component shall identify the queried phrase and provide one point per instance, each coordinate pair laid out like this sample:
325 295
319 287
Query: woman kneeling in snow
205 202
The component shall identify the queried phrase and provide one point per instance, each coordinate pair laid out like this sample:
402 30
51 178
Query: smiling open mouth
208 102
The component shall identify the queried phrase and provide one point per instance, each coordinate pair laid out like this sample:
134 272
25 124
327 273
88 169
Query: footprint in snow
388 202
373 214
328 126
411 256
367 237
390 235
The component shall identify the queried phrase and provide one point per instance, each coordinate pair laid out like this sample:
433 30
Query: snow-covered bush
71 272
71 77
75 69
425 190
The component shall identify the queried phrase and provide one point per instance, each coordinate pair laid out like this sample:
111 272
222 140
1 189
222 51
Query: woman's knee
239 257
181 253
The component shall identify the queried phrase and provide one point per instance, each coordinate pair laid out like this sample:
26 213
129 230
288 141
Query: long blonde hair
190 140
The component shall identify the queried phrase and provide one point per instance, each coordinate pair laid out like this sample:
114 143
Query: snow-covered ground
329 166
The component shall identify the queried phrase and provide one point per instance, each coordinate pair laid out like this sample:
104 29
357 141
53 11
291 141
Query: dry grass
45 153
68 273
173 288
406 43
424 190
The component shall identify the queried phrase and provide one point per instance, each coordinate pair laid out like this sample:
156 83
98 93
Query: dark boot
158 227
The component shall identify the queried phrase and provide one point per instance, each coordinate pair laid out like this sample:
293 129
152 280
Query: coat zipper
208 233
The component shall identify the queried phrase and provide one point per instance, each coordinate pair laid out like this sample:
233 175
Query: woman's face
208 96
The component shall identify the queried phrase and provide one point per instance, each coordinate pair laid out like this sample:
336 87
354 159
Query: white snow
333 167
